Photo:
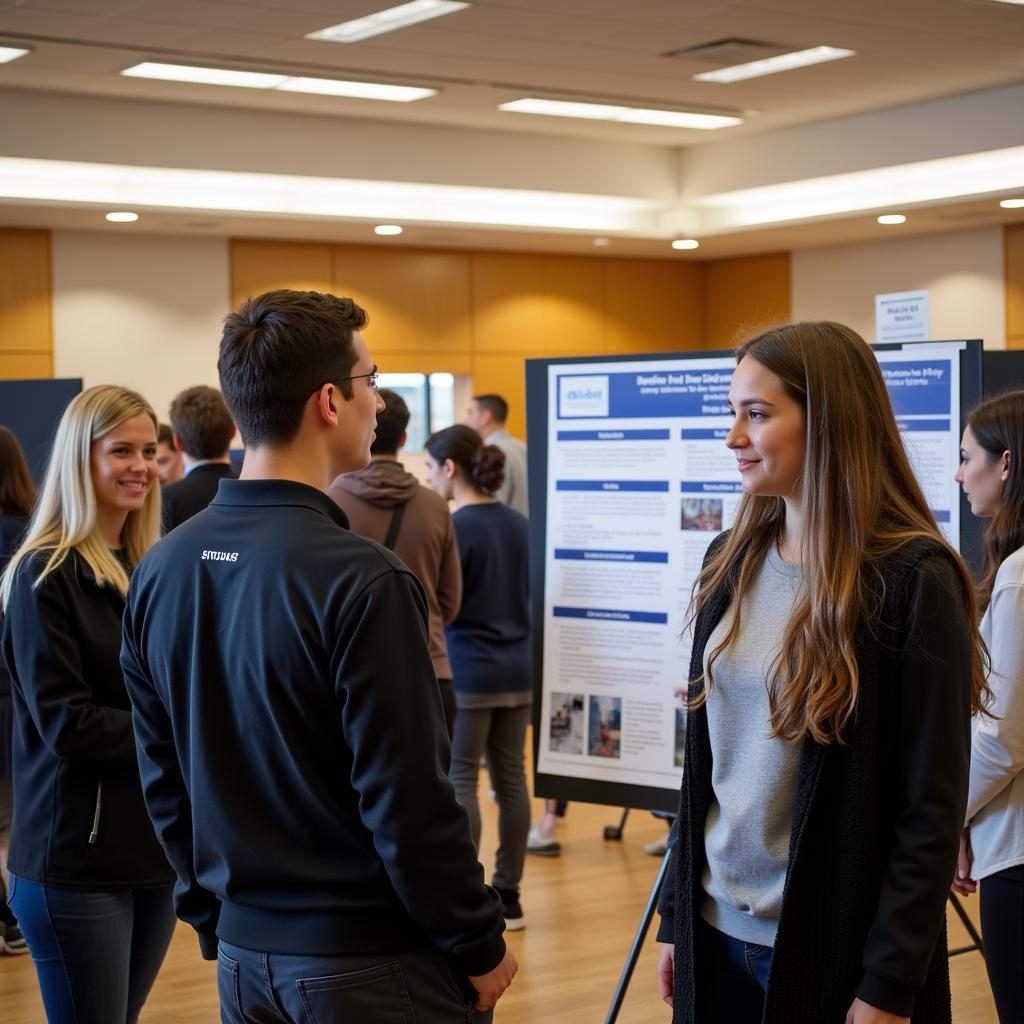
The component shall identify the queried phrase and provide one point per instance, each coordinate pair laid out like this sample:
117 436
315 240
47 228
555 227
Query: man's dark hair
392 422
164 435
495 405
277 350
202 422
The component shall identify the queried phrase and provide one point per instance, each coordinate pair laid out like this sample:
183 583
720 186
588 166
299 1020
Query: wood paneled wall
1014 239
26 307
483 313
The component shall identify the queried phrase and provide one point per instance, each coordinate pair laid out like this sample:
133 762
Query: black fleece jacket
876 822
291 737
75 771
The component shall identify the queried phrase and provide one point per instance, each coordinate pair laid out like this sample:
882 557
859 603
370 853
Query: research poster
639 482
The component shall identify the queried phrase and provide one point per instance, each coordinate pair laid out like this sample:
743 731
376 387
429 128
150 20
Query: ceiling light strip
774 65
386 21
120 186
611 112
280 83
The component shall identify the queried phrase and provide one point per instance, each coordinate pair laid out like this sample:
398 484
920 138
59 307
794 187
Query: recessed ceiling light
773 65
387 229
1012 204
601 242
685 243
892 218
609 112
122 217
9 53
204 76
280 83
386 21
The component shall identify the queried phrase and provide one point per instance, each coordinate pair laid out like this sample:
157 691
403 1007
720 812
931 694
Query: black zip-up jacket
876 822
75 772
291 737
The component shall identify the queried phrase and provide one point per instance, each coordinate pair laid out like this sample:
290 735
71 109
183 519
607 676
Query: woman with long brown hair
992 847
835 667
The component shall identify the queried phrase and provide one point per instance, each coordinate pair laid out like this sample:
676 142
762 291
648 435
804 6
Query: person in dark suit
203 429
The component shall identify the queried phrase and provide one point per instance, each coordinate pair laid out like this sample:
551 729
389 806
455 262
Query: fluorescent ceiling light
686 243
387 229
1016 2
974 174
357 90
892 218
120 186
773 65
280 83
609 112
122 217
387 21
1012 204
9 53
204 76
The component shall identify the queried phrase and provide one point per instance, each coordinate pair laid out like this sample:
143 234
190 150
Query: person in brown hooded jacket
387 504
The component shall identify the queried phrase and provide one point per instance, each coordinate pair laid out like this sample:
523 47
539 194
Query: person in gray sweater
836 664
389 505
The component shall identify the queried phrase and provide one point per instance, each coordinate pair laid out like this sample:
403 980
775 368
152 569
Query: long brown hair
998 426
861 504
17 491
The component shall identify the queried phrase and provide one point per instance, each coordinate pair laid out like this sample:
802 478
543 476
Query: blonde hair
65 516
861 504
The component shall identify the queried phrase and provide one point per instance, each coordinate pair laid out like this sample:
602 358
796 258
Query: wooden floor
582 910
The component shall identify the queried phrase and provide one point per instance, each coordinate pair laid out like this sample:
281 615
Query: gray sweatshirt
754 776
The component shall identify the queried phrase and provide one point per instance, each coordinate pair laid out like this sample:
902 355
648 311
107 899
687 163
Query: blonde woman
89 882
836 664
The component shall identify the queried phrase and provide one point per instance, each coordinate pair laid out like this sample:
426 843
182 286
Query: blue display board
31 409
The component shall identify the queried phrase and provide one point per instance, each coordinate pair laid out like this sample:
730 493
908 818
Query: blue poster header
704 434
919 388
612 485
611 556
712 486
651 394
611 615
614 435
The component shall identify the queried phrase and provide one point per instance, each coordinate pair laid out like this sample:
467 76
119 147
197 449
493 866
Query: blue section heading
614 435
611 615
941 515
711 434
654 394
712 486
611 485
611 556
922 388
924 425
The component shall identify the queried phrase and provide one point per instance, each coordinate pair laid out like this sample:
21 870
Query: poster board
630 480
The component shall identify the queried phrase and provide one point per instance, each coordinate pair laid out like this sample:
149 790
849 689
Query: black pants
1002 931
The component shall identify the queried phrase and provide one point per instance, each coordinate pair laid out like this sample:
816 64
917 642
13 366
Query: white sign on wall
902 316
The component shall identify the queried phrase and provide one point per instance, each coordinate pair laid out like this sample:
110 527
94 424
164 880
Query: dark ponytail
483 465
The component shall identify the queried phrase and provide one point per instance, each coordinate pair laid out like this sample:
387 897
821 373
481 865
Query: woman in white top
992 847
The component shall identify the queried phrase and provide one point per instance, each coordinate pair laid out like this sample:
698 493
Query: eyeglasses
370 378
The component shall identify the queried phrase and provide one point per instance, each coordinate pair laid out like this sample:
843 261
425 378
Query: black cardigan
75 770
876 822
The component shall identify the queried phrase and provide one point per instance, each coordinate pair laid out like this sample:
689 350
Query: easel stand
638 942
969 925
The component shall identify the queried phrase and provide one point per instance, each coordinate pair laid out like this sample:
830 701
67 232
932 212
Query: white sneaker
541 844
658 848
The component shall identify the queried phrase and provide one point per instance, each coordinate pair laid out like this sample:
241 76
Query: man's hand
862 1013
666 972
963 884
490 986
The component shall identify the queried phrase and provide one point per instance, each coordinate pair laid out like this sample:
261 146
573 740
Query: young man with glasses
288 721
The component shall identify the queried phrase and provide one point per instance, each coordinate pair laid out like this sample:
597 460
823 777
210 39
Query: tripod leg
615 831
638 942
969 926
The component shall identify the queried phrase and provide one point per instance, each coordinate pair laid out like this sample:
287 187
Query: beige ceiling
908 51
497 50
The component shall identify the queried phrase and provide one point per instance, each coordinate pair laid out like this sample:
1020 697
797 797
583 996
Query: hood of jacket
382 483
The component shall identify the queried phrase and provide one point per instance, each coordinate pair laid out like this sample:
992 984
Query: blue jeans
96 953
402 988
734 975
